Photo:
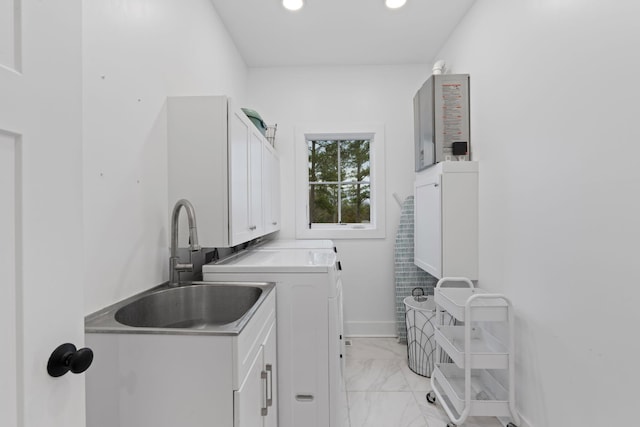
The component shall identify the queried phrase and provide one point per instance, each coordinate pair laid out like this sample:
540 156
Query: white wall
554 93
136 53
373 94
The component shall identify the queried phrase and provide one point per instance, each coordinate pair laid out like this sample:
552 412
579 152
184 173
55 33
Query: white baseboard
370 329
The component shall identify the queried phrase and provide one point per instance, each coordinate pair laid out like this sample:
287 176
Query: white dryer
309 329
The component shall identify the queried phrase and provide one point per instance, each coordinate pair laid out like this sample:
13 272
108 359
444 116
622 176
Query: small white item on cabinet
446 220
468 387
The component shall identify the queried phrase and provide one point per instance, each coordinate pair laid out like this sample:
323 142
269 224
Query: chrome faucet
175 267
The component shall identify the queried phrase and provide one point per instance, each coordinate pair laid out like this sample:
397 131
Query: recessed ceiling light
394 4
292 4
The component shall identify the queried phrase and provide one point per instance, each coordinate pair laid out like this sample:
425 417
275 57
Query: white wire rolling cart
480 379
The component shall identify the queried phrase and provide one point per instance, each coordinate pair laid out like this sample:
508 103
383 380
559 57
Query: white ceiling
339 32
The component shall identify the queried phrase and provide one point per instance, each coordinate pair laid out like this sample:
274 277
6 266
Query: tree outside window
339 181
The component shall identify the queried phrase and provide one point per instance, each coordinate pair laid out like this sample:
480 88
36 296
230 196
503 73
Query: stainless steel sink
194 306
214 308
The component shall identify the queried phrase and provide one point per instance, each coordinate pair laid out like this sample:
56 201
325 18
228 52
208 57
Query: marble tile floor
383 392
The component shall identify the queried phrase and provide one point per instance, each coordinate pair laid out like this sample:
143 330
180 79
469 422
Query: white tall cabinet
446 220
217 161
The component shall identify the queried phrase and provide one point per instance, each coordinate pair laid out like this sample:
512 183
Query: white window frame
376 228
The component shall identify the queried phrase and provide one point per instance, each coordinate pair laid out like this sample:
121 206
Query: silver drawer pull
264 411
304 397
253 227
269 369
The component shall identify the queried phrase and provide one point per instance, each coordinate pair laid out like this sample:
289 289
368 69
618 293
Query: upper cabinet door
275 192
240 226
271 189
256 221
428 226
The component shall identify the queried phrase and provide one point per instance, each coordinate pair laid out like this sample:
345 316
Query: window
339 186
340 182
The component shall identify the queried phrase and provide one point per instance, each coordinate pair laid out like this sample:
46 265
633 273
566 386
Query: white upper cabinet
216 162
446 220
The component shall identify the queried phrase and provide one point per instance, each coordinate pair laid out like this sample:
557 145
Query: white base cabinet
446 220
218 160
185 380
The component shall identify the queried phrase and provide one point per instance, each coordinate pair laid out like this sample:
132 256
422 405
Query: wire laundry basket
420 317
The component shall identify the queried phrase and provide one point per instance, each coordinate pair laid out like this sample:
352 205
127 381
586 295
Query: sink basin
194 306
215 308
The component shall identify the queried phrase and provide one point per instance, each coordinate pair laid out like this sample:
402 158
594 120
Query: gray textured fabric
407 275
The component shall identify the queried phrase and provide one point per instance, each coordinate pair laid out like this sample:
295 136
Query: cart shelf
488 396
486 351
453 300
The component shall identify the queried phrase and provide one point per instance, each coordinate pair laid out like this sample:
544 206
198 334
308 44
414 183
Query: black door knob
67 358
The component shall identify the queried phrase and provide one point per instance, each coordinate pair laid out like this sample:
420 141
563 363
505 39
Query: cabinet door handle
264 410
274 223
269 369
253 227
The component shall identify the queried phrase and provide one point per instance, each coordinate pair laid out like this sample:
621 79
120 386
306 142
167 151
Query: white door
41 303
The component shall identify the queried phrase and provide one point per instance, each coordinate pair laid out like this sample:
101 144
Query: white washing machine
309 329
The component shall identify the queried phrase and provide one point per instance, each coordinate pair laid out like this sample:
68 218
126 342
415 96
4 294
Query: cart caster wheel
431 398
511 425
451 425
